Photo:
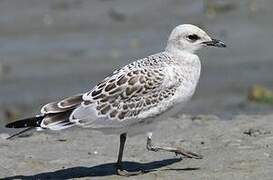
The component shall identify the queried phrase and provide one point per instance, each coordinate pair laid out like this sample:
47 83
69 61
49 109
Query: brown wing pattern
131 90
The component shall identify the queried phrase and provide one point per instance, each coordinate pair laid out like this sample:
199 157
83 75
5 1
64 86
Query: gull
134 98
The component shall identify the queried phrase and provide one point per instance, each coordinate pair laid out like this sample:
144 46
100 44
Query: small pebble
95 152
256 132
62 140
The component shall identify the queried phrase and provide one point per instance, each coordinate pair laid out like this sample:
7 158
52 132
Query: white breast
189 70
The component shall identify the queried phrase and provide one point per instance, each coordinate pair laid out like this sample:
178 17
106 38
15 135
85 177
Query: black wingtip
17 124
9 125
24 123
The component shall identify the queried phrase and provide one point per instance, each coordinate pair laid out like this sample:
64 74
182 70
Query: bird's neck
172 48
182 56
187 64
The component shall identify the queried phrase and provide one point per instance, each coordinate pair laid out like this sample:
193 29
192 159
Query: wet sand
233 149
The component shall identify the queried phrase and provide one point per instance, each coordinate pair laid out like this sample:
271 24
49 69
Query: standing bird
134 98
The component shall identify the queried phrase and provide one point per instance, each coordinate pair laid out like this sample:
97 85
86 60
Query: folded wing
132 92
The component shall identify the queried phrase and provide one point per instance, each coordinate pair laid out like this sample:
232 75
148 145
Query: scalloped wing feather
63 105
132 92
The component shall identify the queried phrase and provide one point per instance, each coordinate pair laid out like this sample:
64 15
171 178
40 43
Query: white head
189 38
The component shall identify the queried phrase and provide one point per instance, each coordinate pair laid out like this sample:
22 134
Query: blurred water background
50 49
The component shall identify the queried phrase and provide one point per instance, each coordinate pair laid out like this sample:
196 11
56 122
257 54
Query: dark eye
193 37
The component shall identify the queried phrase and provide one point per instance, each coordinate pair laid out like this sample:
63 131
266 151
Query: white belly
141 126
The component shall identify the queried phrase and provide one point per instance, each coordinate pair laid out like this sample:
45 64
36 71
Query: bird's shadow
103 170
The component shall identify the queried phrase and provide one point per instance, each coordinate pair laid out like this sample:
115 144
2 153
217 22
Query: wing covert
127 93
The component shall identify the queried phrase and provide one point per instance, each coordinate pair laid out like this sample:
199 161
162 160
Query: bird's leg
119 169
177 151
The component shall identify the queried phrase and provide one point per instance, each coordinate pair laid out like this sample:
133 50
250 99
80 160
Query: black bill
215 43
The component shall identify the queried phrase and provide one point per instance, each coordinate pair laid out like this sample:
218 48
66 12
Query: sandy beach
240 148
